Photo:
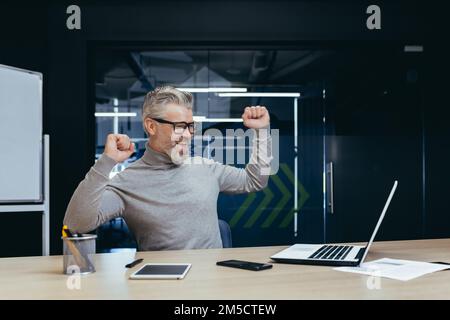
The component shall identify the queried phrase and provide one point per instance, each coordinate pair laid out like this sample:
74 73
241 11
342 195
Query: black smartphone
244 265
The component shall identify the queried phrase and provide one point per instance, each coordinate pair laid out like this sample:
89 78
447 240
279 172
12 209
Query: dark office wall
437 143
436 124
23 35
375 124
22 44
63 55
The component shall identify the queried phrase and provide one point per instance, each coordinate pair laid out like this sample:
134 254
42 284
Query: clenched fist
118 147
256 117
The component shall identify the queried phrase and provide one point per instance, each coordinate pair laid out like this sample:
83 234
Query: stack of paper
395 269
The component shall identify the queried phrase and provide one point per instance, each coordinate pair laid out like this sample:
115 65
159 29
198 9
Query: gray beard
176 157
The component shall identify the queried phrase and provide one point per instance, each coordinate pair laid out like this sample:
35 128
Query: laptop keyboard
331 252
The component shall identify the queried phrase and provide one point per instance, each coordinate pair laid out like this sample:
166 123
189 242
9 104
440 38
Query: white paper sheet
403 270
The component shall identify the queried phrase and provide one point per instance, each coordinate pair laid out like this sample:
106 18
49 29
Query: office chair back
115 234
225 234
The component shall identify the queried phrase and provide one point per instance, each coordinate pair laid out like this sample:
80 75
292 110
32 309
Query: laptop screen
386 206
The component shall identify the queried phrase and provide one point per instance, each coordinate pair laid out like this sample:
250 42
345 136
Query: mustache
180 149
181 139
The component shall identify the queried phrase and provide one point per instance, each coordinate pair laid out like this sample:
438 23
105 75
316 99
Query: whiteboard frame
43 208
41 162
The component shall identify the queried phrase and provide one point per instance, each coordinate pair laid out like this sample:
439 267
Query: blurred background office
355 108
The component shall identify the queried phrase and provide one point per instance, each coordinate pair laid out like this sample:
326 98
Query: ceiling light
261 94
195 90
205 119
115 114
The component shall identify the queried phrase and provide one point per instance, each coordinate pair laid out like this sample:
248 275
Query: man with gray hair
167 201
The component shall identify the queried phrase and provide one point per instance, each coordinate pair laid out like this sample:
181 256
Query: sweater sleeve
255 176
94 202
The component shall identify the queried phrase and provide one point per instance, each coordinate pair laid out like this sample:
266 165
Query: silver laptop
331 255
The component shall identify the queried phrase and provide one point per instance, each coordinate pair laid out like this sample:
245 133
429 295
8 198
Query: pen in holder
78 250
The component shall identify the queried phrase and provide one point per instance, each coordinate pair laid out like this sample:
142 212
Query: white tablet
162 271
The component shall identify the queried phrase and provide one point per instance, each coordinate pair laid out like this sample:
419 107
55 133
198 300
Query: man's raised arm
94 202
255 176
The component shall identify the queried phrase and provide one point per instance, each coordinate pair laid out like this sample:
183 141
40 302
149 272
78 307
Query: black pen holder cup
78 254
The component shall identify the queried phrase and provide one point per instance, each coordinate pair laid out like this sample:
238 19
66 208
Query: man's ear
150 126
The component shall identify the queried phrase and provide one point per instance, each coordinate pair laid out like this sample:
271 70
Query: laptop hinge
360 254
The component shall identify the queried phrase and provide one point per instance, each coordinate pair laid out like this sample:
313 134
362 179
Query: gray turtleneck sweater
166 206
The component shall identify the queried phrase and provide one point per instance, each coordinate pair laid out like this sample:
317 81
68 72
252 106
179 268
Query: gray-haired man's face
163 137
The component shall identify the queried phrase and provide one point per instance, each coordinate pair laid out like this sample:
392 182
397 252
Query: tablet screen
161 269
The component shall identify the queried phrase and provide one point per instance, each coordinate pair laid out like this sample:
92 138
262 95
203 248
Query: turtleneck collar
157 160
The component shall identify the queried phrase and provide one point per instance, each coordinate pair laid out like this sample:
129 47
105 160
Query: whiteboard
20 135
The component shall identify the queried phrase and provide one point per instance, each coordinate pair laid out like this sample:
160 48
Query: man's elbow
259 185
77 225
264 184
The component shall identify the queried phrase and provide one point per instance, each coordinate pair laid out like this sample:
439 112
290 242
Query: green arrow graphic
267 198
302 193
280 204
288 172
238 215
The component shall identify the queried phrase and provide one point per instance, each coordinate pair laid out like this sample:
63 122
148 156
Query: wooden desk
42 278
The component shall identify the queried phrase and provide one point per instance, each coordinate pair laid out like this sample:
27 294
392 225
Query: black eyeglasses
178 127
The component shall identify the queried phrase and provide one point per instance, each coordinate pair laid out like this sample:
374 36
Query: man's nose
187 134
